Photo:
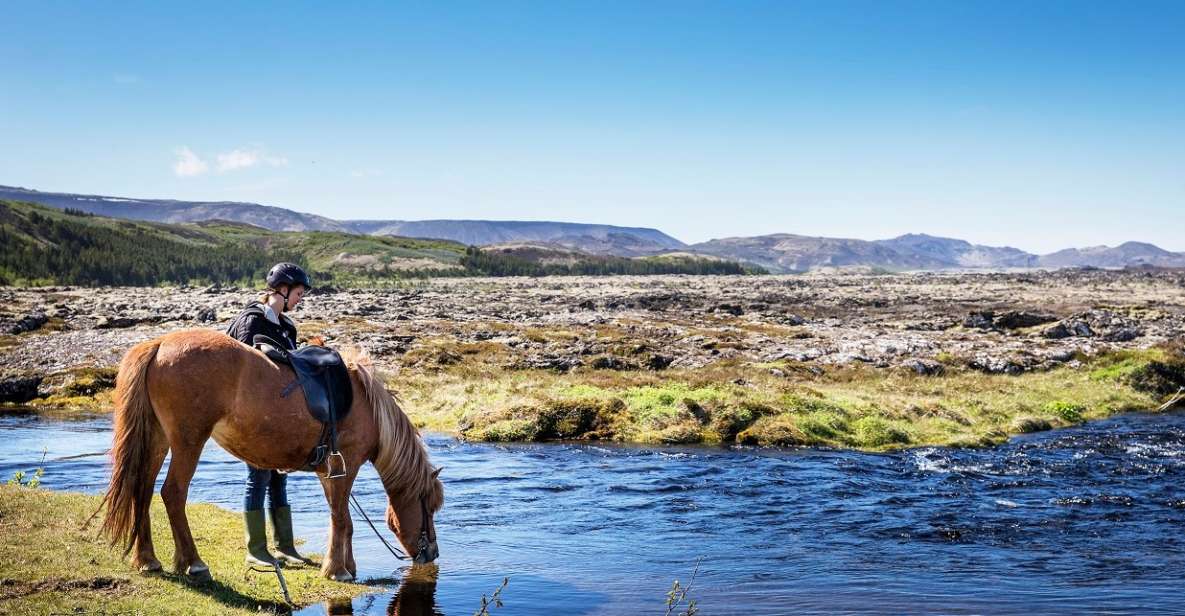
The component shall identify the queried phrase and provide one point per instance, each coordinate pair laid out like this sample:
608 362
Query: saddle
322 376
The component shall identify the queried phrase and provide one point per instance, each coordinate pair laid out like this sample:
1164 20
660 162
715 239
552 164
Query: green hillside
40 245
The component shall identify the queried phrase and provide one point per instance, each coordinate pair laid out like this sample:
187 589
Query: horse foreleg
145 554
339 555
175 492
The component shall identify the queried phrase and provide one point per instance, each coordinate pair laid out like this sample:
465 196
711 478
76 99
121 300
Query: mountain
596 239
168 210
778 253
1124 255
959 253
42 245
785 253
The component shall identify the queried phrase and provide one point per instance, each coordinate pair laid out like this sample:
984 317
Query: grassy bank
50 565
780 404
477 391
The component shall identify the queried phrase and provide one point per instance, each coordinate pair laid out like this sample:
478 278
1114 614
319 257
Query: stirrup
329 474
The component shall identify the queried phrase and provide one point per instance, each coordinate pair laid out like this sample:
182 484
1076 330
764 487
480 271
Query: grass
476 389
51 565
781 403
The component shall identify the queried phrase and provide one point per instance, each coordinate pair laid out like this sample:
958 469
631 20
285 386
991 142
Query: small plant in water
494 599
18 478
680 595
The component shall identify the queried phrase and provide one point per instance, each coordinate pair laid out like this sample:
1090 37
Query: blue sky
1040 125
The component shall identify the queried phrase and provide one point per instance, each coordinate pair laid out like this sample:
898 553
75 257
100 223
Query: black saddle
325 381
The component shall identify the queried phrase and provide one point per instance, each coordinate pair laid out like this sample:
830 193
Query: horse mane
402 460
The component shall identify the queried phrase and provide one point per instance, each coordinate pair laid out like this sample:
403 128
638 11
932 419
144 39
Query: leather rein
421 545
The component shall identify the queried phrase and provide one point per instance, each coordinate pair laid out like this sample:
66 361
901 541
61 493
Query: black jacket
251 321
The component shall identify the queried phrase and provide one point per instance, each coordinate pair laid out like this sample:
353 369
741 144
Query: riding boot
285 550
257 553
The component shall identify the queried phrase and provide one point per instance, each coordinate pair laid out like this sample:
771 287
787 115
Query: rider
286 285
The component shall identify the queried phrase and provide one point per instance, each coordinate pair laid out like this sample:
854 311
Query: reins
396 552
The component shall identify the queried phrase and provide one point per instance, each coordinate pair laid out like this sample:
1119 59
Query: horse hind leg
175 492
144 557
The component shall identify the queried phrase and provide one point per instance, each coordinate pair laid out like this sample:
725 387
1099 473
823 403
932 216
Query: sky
1040 125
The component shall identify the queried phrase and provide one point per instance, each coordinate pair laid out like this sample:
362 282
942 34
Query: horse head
410 517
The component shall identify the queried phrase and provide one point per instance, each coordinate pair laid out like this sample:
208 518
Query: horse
175 392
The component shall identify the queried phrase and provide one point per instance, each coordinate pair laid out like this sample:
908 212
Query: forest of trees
42 249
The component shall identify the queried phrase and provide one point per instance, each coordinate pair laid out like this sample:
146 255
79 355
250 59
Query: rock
207 315
1068 328
212 289
27 323
732 309
609 362
1017 319
792 320
1123 334
587 305
116 322
924 367
980 320
19 389
658 362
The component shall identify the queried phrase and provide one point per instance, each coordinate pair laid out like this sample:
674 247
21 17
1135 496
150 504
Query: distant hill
784 253
167 210
596 239
959 253
1127 254
781 252
42 245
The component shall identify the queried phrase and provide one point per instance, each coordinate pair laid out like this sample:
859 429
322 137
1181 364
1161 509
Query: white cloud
245 159
188 164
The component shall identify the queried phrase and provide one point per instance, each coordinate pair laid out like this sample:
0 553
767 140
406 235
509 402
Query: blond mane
402 460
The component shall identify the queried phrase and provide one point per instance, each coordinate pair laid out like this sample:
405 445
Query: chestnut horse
174 392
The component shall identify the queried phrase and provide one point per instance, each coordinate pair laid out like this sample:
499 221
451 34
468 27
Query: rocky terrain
994 323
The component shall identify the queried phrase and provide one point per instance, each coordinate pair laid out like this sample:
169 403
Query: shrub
1068 411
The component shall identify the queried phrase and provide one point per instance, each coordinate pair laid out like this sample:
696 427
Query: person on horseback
286 285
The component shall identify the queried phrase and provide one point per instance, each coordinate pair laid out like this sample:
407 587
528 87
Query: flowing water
1084 520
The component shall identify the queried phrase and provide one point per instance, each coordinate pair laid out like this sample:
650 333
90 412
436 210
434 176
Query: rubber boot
285 550
257 554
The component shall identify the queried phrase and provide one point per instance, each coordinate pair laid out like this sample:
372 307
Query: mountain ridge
777 252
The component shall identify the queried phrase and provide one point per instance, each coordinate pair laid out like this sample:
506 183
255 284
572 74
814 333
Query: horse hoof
343 576
152 566
199 571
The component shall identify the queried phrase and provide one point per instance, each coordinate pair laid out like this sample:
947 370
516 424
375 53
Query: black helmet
287 274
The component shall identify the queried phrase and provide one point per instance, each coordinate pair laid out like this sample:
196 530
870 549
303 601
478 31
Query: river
1088 519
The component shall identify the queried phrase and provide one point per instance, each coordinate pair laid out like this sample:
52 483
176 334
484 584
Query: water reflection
416 597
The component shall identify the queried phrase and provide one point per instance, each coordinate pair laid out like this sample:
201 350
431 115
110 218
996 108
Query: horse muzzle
426 554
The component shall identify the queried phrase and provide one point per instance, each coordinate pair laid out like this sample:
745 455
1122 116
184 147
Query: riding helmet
289 274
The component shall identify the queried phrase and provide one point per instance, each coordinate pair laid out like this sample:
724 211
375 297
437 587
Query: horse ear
436 472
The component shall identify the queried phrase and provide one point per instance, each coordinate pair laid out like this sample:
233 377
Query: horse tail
137 435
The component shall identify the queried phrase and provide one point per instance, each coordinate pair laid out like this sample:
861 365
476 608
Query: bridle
422 544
